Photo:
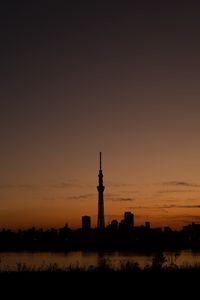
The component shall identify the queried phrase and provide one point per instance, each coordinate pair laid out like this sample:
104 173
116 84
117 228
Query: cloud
119 184
164 206
63 185
188 206
122 199
176 191
181 183
141 207
80 197
179 206
112 197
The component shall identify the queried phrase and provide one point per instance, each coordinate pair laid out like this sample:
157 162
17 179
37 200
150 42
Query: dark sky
79 77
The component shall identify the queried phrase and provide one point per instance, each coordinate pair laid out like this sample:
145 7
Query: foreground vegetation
160 278
159 264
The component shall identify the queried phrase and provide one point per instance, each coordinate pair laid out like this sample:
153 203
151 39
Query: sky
79 77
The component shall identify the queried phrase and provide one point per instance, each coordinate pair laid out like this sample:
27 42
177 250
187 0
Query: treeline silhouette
135 239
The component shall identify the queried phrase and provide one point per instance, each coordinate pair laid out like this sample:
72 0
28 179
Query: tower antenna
100 160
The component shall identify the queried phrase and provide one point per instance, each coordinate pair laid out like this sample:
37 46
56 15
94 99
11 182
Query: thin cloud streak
181 183
176 191
180 206
122 199
118 184
164 206
80 197
114 198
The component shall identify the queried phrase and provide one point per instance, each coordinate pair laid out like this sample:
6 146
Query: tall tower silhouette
100 188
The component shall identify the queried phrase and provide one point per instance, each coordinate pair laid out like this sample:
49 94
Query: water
34 260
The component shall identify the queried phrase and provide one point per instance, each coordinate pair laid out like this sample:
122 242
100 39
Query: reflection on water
35 260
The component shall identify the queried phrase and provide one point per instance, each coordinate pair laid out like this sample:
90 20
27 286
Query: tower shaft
100 188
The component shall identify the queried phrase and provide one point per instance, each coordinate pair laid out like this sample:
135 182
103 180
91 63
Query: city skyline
86 76
100 219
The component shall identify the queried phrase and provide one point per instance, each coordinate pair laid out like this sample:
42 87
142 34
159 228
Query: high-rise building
86 223
147 225
114 225
100 188
128 220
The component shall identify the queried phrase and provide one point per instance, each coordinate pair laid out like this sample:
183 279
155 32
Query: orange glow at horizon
172 204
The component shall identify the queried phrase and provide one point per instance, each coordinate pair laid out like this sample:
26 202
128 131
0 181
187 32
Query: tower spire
100 160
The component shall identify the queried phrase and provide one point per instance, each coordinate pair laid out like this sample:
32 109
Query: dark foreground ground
104 284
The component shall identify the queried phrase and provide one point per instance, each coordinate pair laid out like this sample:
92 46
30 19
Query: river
33 260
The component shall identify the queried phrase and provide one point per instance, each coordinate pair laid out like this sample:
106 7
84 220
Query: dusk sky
79 77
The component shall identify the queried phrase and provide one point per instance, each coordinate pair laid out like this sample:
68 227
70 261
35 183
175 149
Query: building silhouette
86 223
128 220
147 225
114 225
100 188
